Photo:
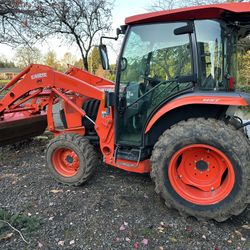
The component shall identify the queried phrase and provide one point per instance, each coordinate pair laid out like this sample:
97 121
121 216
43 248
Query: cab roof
237 11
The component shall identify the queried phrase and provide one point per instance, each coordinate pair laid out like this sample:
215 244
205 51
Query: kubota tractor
171 111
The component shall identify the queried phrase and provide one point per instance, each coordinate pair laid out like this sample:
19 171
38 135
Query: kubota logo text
40 75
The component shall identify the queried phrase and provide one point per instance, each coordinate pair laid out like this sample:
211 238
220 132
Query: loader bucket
18 126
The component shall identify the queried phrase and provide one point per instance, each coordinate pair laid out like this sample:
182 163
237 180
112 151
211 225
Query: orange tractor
170 113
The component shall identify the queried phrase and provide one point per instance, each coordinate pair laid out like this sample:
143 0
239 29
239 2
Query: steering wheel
149 82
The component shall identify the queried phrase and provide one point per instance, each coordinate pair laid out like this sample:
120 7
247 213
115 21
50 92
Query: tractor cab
161 60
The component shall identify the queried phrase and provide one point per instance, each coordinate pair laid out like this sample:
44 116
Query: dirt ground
115 210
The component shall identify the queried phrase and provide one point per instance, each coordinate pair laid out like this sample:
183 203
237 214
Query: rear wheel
201 168
71 159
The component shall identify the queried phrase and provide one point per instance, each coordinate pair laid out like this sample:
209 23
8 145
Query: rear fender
208 98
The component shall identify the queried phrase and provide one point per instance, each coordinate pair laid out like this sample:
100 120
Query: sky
122 9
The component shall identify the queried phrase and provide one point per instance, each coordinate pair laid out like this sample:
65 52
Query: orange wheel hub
66 162
201 174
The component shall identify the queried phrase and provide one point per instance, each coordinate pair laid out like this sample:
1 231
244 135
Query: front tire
71 159
201 168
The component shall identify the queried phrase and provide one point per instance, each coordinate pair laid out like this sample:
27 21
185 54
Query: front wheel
71 159
201 168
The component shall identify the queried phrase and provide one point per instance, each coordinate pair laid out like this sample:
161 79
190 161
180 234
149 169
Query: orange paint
200 99
196 173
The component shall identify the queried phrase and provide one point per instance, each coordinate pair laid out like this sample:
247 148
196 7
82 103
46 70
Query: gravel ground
115 210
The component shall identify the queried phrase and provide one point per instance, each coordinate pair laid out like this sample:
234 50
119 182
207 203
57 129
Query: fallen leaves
40 245
136 245
238 233
173 239
72 242
246 227
144 242
127 239
123 226
161 228
117 239
6 237
13 228
56 191
204 237
61 243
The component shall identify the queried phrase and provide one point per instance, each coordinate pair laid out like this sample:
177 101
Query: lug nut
212 188
180 176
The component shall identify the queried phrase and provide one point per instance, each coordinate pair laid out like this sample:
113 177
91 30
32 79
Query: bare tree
77 21
163 5
15 17
27 55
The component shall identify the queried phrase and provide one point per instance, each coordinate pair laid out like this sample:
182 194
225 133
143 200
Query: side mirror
118 32
104 56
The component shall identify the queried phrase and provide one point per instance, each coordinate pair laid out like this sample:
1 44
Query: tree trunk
85 63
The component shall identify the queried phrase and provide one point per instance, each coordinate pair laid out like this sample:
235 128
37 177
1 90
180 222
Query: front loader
170 113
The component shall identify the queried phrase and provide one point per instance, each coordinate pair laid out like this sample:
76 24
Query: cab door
152 61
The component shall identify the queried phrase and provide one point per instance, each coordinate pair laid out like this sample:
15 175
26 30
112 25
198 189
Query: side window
170 62
214 44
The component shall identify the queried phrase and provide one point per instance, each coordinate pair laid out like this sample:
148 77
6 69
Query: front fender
213 98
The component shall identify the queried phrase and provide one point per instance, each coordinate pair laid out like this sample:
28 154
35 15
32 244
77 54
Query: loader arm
37 77
92 79
36 89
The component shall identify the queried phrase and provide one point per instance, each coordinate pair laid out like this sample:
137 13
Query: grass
19 221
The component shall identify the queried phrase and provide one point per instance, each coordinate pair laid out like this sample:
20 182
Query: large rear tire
71 159
202 168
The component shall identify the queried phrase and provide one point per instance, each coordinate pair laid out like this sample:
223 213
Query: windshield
154 51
